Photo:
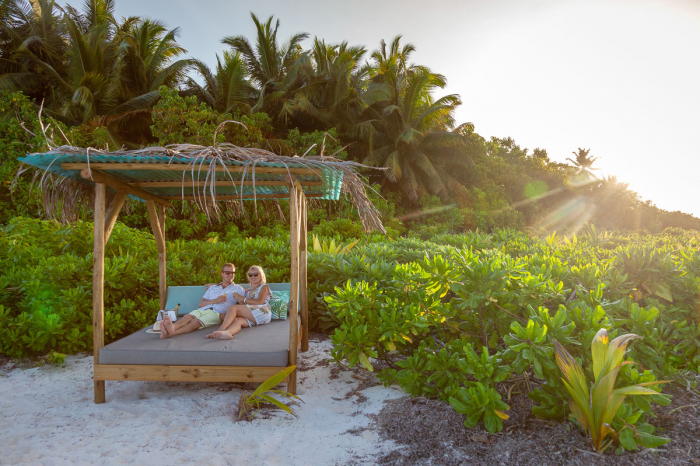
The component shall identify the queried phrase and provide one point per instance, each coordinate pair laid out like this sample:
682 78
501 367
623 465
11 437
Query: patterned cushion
279 304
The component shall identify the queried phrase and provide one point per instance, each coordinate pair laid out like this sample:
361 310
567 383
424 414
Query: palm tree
92 69
228 89
277 72
391 65
583 163
338 93
147 60
31 33
414 140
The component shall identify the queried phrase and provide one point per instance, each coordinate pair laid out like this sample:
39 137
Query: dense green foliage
452 318
461 314
106 82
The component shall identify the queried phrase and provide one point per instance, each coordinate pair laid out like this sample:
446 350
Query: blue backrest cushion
189 296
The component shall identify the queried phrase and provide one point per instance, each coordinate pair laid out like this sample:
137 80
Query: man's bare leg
185 320
163 330
185 325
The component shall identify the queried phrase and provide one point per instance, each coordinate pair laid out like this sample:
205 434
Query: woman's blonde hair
263 279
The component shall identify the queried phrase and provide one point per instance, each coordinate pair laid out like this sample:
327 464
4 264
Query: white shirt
215 291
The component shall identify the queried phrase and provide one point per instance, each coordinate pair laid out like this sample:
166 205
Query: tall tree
31 34
148 59
276 71
583 162
228 88
413 139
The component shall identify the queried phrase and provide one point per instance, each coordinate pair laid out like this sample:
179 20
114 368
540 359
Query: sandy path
47 417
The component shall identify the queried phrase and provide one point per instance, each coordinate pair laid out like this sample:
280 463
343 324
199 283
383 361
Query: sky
618 77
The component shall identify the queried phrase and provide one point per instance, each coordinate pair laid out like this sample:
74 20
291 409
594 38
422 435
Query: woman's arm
262 296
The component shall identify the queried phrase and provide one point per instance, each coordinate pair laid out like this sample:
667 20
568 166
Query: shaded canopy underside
201 174
174 177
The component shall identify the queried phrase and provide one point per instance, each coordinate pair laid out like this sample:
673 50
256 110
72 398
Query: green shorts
206 317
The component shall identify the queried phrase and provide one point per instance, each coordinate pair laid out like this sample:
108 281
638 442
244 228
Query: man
212 306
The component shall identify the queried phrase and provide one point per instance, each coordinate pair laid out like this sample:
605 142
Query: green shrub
452 318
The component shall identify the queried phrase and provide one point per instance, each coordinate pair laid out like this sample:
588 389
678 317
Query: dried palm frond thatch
63 197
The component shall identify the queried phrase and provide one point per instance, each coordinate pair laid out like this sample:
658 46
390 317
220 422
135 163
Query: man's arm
208 298
207 302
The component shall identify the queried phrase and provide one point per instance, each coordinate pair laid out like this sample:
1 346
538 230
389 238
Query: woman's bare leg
238 323
237 310
231 313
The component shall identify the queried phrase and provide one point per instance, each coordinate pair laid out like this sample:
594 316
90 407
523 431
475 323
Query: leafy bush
454 318
178 120
342 228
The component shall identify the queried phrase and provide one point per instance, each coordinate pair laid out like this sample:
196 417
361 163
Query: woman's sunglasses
253 274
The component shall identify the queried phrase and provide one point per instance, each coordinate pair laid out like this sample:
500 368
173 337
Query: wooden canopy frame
104 221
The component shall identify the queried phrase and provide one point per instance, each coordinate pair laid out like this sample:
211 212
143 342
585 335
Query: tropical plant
583 162
332 248
227 90
92 69
479 402
275 70
594 408
250 403
340 92
411 136
31 34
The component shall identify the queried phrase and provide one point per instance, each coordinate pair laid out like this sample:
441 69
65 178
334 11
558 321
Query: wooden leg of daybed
292 383
99 391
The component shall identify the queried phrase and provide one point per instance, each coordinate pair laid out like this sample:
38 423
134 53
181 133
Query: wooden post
162 276
303 292
98 272
113 213
294 284
160 243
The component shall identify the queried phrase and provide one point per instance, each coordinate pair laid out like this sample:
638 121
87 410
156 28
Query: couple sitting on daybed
227 305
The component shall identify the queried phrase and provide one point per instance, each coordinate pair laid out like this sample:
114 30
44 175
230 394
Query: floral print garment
252 293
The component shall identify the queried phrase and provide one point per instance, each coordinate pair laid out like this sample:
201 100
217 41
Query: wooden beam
160 244
223 197
119 185
199 184
185 373
294 285
162 276
113 213
181 167
303 279
98 272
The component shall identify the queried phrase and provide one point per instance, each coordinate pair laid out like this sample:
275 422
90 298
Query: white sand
47 417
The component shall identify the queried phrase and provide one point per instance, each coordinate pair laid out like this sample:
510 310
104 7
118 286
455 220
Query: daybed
202 176
265 346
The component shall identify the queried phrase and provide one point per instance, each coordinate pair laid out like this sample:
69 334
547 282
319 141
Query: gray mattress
267 345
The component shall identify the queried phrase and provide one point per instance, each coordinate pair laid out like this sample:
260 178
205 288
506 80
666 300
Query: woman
253 308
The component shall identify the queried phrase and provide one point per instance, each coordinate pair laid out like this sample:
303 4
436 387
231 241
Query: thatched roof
197 174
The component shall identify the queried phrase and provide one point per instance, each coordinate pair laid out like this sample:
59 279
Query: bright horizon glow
618 77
